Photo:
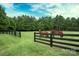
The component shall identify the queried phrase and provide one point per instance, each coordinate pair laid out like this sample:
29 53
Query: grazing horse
43 33
53 32
56 32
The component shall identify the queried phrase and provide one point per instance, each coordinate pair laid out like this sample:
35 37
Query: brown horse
56 32
53 32
44 33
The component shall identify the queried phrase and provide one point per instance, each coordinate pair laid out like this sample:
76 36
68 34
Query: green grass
25 46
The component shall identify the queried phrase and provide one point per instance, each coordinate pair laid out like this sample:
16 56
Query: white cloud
7 5
48 8
68 10
52 9
13 13
36 7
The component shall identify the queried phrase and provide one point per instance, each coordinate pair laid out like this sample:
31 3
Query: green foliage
3 21
45 23
59 22
30 23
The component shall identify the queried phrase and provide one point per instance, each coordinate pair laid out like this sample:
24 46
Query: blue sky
41 9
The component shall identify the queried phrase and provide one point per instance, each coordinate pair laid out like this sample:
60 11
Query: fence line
11 32
52 41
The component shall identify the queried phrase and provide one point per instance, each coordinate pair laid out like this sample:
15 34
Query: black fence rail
65 42
11 32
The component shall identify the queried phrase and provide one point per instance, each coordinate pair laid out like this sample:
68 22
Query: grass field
25 46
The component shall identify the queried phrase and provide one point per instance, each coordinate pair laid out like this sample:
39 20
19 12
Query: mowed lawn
25 46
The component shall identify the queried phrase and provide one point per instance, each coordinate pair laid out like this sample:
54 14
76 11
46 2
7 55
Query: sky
41 9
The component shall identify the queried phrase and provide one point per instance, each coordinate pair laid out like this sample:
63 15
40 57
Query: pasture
25 46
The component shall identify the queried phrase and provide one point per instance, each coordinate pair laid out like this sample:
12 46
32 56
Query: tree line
30 23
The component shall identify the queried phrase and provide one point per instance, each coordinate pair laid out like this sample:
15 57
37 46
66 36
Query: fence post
9 31
51 40
12 32
19 33
34 37
15 32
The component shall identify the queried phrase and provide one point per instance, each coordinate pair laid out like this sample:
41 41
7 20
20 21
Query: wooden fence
11 32
67 42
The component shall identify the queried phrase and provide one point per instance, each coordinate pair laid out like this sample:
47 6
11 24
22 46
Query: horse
57 32
53 32
43 33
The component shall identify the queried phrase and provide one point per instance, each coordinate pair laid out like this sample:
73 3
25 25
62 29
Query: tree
78 24
59 22
30 23
67 24
3 21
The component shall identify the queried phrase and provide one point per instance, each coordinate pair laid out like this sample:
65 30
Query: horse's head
61 33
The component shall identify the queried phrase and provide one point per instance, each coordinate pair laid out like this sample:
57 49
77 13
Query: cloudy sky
42 9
